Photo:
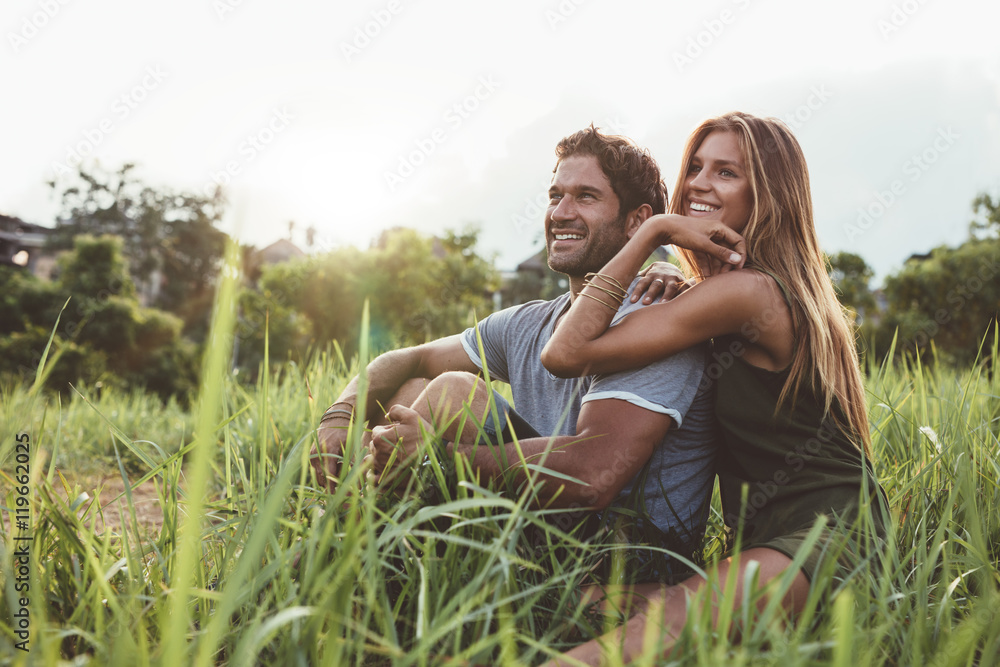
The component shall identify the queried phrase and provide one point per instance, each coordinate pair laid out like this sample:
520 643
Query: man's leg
443 402
329 467
460 409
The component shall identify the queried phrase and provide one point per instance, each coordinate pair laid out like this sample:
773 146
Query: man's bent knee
446 393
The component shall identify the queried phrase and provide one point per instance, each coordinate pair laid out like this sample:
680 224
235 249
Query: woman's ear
636 218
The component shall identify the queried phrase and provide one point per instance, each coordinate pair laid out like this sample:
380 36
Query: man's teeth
703 207
565 237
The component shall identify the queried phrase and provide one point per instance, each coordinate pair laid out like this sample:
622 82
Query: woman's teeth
703 207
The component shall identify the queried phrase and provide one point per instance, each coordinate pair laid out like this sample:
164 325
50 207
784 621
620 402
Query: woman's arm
583 344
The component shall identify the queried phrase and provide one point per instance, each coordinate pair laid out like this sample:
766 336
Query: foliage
170 238
539 282
278 580
950 298
852 277
103 335
418 287
987 222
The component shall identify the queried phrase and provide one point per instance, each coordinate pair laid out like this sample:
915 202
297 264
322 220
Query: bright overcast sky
435 114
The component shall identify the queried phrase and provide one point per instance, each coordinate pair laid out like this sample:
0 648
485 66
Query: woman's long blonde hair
781 240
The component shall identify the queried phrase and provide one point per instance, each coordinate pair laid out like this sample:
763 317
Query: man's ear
636 218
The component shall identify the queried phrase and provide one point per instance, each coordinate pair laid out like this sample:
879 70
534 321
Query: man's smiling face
583 228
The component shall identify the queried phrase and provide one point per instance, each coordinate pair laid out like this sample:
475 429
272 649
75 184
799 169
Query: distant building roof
21 243
537 263
918 257
281 250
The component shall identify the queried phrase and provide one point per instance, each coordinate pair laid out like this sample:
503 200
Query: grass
254 565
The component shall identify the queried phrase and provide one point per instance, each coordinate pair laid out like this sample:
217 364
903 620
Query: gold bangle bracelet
614 295
610 280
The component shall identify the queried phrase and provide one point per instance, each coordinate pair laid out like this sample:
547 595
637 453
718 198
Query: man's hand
332 438
401 437
660 280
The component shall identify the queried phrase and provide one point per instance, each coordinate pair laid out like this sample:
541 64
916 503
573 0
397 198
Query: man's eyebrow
590 189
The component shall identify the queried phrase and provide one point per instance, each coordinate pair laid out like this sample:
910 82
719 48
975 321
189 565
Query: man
643 438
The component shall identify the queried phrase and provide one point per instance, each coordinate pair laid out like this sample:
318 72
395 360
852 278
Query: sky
353 117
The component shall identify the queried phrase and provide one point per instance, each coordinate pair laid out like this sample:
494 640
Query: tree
952 298
170 238
103 334
987 222
851 278
418 288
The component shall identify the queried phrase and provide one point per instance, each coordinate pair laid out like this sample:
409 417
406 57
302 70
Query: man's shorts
501 433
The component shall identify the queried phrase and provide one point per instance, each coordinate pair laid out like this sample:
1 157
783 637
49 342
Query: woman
789 402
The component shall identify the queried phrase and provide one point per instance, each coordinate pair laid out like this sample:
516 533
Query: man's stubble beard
603 249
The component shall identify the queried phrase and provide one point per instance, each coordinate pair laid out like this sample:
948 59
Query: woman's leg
667 608
628 599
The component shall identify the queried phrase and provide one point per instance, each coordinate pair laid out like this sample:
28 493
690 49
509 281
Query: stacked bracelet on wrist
613 288
334 411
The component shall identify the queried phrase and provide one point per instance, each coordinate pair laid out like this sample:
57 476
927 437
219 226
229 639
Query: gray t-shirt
674 488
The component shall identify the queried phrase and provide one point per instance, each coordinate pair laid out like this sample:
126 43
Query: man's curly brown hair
634 175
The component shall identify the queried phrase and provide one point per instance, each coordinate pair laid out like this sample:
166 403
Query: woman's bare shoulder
743 288
755 300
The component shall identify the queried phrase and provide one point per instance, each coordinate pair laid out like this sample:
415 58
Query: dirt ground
144 497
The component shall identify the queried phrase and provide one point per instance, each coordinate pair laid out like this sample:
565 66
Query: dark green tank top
796 463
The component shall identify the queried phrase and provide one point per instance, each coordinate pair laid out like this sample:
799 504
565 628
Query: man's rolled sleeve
667 386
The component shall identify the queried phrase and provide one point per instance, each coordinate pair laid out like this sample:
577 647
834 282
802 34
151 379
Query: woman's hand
714 243
659 280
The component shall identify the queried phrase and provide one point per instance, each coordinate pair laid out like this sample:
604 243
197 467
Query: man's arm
614 440
387 373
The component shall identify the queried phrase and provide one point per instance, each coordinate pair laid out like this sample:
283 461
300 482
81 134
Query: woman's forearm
582 343
591 313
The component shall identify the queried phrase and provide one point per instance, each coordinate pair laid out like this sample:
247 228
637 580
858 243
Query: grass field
409 583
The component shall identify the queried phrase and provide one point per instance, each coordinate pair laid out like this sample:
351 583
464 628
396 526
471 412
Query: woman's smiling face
717 185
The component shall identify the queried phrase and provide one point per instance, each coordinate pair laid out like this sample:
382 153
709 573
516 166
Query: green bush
103 334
